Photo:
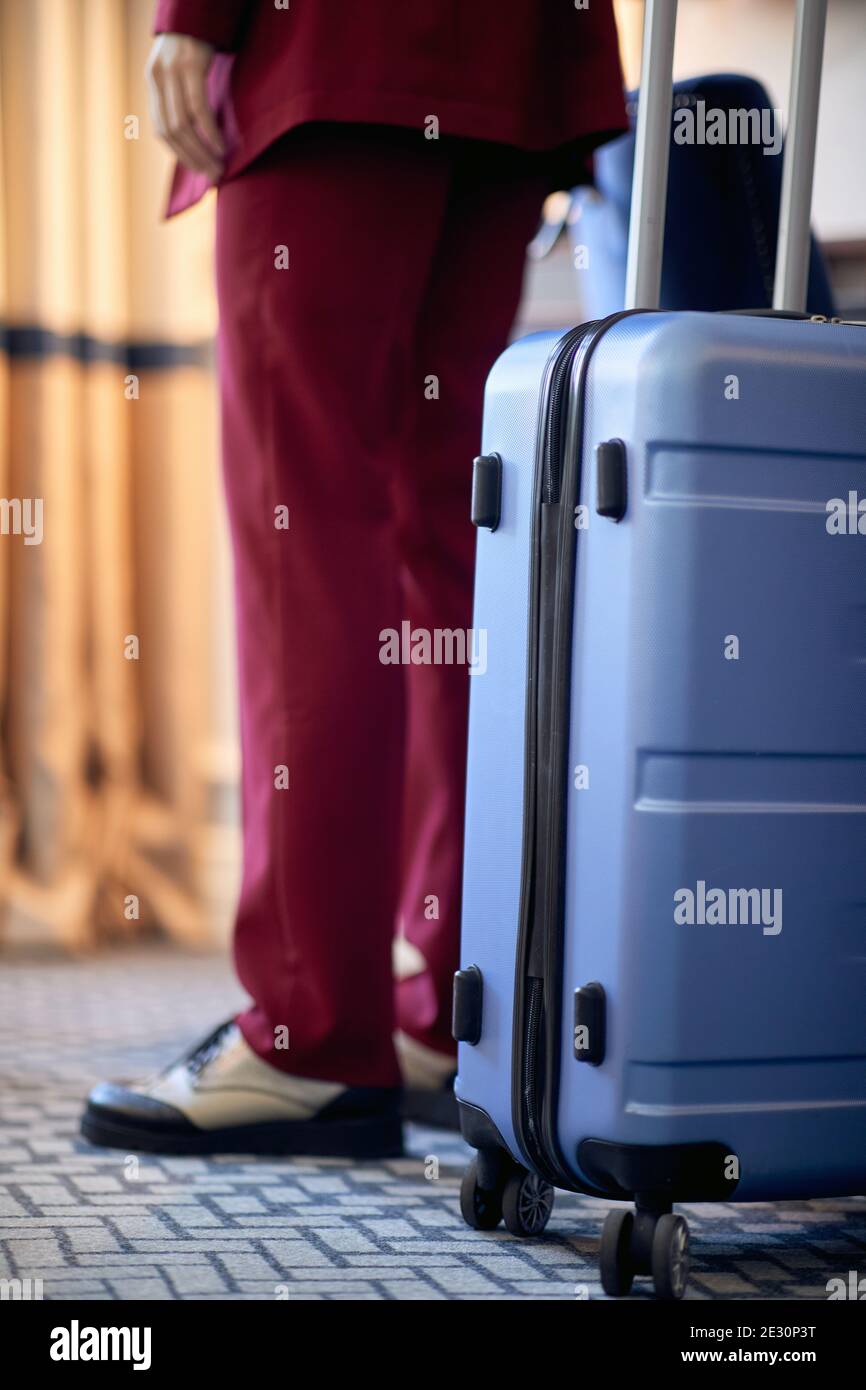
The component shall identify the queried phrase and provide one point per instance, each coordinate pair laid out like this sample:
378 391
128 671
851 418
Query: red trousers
367 279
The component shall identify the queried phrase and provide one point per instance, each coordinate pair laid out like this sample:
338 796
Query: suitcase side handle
652 146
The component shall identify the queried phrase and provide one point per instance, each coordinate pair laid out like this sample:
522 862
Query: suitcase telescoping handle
652 146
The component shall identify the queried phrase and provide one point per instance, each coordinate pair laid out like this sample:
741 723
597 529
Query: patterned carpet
104 1225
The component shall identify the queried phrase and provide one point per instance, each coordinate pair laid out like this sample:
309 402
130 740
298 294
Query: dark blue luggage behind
722 214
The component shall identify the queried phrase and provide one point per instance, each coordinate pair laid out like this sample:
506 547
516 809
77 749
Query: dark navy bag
722 215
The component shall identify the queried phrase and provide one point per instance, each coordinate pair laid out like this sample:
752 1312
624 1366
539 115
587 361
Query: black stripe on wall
29 342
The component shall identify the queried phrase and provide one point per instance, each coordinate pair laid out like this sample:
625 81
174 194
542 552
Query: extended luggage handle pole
652 148
649 189
795 210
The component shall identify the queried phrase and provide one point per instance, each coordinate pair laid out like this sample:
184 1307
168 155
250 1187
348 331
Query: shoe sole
437 1108
368 1137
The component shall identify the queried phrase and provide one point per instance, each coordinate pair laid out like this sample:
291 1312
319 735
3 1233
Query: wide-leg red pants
367 279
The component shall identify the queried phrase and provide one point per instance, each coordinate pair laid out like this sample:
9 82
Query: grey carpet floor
106 1225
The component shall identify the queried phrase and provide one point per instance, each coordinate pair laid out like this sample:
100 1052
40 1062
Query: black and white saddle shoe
222 1098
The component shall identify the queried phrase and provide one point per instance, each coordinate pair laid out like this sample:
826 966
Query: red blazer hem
497 125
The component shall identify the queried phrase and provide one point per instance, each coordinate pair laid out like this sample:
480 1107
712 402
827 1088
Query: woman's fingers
194 83
181 114
185 139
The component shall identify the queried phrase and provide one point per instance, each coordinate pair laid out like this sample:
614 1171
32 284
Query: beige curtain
629 23
118 763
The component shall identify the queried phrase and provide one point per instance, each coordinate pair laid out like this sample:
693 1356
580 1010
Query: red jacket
542 75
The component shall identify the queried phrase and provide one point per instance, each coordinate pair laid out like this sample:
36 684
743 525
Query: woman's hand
177 91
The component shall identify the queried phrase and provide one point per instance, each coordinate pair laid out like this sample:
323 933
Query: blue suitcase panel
715 865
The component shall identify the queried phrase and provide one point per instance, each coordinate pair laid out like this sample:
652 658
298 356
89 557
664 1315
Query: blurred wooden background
118 776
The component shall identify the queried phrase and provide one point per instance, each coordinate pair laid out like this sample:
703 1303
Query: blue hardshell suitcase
662 992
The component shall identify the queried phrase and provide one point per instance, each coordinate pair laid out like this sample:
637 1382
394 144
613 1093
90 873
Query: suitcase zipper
555 427
538 984
530 1016
556 415
553 451
534 1019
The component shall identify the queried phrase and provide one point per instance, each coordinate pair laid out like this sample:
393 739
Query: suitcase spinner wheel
494 1188
527 1202
670 1256
480 1207
647 1241
617 1272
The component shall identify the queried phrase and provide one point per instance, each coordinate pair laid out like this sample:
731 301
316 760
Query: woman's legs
352 264
315 360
